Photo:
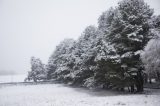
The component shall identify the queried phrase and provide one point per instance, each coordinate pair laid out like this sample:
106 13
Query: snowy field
12 78
61 95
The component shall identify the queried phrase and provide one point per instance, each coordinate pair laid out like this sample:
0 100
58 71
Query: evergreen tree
38 70
128 33
61 62
85 55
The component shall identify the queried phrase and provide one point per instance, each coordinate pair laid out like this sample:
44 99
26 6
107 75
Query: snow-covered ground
61 95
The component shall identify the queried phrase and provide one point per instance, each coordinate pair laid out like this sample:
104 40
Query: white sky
34 27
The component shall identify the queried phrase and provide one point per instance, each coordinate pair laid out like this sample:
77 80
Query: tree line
117 54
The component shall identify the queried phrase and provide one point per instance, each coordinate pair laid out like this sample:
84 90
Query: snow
138 52
127 54
62 95
12 78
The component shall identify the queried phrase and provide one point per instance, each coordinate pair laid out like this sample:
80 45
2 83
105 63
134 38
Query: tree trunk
139 82
158 76
132 88
150 81
34 79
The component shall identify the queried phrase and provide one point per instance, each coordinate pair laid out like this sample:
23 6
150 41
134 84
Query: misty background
34 27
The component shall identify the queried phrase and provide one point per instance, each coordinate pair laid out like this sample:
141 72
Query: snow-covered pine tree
38 70
97 50
61 61
51 67
128 33
85 55
106 54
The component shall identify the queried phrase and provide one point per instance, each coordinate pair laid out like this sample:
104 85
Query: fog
34 27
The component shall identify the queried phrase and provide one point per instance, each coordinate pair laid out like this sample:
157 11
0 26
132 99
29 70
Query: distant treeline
5 72
122 52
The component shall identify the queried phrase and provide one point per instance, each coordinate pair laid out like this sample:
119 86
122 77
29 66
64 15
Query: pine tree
85 55
128 33
38 70
61 62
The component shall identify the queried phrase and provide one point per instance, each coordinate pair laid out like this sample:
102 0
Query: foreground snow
60 95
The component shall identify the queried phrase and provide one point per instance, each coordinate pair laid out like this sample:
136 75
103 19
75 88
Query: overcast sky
34 27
